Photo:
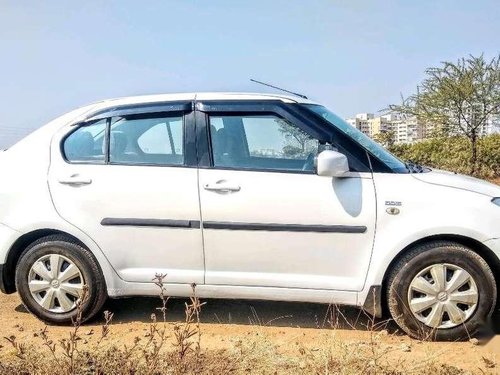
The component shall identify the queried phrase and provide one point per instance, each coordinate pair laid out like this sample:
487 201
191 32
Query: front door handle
222 187
75 180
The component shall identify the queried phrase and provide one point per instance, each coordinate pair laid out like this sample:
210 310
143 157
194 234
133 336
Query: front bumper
494 245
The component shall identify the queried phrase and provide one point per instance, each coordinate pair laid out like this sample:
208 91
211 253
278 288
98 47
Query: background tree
295 136
385 138
457 99
299 143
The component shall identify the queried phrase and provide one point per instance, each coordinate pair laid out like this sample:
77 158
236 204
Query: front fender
425 211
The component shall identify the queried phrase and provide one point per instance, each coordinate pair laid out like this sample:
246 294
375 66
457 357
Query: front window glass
261 142
373 147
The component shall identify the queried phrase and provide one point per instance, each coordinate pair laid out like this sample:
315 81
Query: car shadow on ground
259 313
247 312
244 312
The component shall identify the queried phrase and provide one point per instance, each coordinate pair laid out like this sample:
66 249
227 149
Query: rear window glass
86 143
156 140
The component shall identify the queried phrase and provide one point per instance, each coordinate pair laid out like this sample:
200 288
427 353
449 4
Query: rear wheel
51 276
441 291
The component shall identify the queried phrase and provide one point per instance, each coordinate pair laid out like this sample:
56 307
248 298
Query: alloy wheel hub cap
443 296
55 283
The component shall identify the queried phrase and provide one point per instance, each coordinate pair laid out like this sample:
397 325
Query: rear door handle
222 186
75 180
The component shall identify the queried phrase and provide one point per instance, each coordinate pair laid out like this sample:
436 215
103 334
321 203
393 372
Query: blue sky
353 56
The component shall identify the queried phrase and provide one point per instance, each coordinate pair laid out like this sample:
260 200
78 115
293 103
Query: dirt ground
287 325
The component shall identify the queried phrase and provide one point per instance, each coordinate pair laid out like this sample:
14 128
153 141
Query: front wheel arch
476 246
451 327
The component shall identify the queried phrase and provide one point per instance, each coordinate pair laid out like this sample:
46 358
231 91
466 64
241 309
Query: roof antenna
278 88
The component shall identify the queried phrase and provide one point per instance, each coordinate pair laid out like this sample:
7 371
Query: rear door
268 219
127 178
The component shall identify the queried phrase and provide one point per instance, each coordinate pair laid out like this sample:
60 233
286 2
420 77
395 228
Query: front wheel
51 276
441 291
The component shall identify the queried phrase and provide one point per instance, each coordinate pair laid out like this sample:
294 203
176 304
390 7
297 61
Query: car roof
202 96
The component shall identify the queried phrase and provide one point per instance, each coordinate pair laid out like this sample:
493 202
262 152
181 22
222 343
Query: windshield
373 147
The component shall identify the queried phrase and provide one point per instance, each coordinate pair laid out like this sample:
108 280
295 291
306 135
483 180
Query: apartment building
405 130
361 122
371 125
492 125
408 130
379 125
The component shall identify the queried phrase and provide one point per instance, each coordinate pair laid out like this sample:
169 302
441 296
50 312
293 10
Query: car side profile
253 196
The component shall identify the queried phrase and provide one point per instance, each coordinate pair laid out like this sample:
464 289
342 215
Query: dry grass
177 349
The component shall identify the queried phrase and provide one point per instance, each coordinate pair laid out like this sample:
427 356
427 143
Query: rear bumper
7 238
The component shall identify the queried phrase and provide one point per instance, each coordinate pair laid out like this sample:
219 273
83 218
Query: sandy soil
288 325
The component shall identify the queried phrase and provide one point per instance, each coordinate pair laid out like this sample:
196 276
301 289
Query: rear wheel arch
22 243
86 275
476 246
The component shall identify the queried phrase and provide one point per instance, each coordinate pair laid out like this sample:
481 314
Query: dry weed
177 349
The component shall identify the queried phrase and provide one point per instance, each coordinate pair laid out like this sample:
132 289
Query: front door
126 182
268 219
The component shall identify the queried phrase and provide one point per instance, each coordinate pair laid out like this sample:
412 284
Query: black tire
82 258
416 260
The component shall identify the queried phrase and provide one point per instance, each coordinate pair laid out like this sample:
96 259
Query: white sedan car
252 196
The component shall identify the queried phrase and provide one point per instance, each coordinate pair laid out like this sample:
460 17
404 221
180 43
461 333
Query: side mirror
331 163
